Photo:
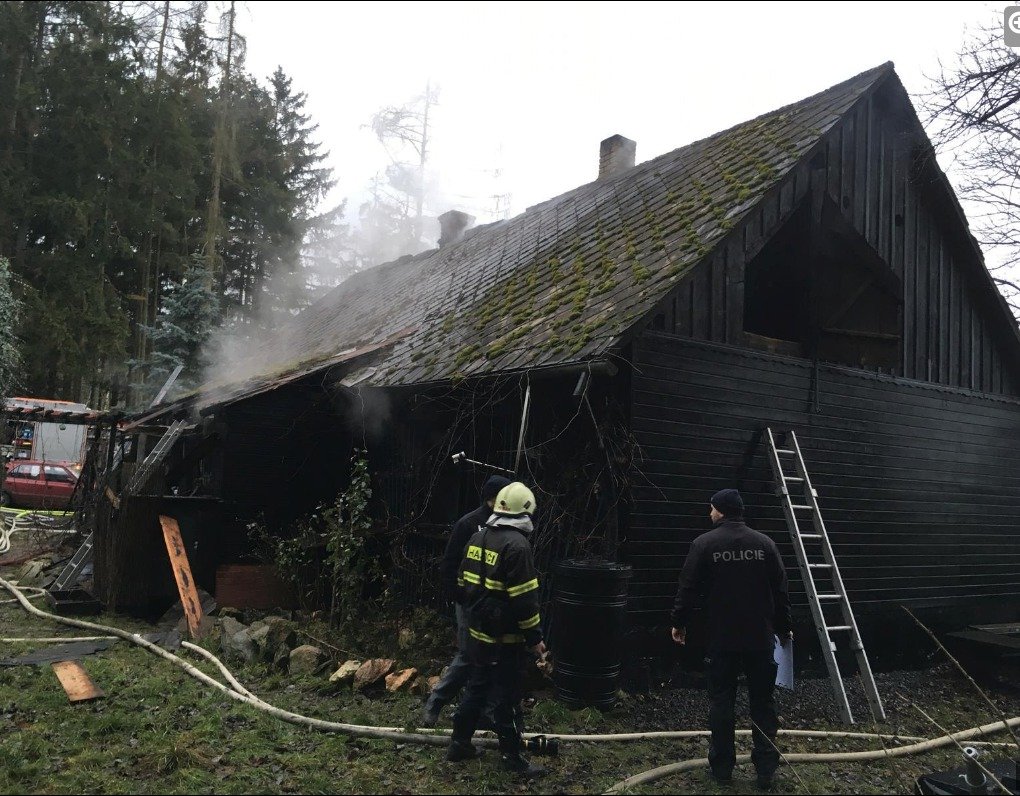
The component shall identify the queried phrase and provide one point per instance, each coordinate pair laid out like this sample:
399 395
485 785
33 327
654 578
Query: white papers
784 660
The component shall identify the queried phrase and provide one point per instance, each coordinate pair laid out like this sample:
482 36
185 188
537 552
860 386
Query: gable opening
818 290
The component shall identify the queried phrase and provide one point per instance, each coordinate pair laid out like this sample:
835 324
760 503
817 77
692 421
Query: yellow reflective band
527 624
510 638
495 585
460 581
471 577
524 588
474 552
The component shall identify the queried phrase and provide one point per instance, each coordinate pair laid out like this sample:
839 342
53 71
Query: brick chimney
452 226
616 155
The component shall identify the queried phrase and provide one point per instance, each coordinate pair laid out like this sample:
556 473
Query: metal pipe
524 427
462 457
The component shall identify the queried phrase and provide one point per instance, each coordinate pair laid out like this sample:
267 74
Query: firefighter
499 588
739 573
456 674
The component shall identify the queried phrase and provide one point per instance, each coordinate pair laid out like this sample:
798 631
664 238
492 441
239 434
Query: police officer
457 673
499 587
739 572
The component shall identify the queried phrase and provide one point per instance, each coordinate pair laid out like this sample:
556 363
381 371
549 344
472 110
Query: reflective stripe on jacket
499 588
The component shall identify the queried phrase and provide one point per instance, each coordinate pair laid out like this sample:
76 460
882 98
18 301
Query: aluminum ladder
70 575
799 498
156 455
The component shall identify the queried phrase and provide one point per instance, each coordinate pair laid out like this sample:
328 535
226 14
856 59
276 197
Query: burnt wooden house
810 270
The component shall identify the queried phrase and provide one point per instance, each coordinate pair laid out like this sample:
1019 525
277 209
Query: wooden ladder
820 565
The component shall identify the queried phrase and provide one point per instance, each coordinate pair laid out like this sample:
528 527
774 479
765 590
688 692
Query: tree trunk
219 136
162 43
419 198
12 120
147 285
14 225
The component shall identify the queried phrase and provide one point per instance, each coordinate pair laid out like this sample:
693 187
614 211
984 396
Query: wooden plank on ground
76 682
182 572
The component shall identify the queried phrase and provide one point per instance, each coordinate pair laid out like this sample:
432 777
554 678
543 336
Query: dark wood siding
919 485
282 452
954 331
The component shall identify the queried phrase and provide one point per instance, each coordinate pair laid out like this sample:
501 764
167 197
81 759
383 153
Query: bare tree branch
974 110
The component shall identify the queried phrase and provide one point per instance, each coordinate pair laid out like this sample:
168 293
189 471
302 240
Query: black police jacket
737 574
499 590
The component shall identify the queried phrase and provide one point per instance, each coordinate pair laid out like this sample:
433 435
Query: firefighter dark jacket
737 574
463 530
498 587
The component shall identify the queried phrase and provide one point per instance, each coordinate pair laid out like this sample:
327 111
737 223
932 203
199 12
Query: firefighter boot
460 748
517 764
459 751
514 762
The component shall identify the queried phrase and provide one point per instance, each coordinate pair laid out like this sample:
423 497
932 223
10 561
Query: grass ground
159 731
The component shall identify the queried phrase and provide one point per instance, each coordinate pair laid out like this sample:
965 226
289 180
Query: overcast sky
529 89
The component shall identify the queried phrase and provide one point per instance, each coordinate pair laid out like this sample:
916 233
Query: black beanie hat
728 502
493 486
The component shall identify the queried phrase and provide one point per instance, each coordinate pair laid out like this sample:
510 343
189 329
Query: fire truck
41 440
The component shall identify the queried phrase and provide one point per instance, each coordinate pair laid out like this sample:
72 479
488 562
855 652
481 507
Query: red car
38 485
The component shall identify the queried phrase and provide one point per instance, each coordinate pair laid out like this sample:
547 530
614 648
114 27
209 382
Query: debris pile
273 640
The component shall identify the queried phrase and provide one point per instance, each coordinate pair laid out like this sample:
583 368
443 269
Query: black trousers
723 670
496 685
457 673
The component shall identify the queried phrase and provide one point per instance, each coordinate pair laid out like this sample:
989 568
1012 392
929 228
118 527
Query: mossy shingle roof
563 281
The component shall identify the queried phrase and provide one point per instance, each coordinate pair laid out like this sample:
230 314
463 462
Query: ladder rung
782 482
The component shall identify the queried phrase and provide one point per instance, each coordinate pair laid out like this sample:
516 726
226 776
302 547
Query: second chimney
616 155
452 226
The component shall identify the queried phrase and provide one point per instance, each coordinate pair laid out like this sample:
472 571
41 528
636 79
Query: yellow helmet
514 500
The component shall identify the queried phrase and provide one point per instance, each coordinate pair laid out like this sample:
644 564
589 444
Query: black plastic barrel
589 621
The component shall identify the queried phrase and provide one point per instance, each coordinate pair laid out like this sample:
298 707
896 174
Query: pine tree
269 207
117 123
222 141
305 182
328 255
183 330
72 244
10 356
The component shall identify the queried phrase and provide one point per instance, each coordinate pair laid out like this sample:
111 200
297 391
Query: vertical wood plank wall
952 332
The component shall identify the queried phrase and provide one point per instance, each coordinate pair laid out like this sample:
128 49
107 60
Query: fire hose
29 519
239 693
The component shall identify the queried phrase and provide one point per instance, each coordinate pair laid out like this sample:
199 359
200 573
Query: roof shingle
563 281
